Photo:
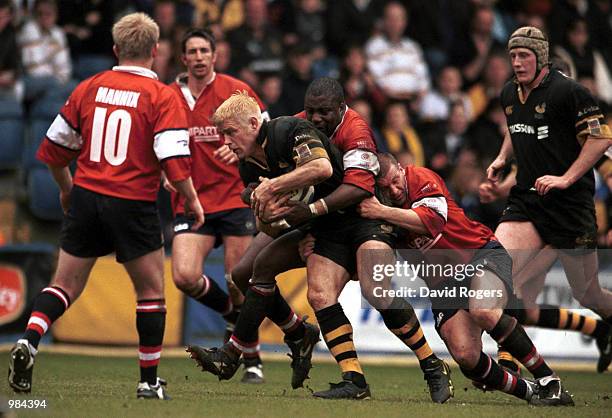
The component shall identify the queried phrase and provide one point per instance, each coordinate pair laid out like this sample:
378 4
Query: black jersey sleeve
588 116
307 145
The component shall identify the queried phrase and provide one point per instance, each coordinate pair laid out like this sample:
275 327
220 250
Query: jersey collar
133 69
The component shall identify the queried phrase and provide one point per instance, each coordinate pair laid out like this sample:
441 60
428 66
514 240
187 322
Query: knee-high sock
487 371
150 324
49 305
402 321
511 336
338 335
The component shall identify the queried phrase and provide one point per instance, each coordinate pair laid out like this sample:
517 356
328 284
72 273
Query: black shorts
567 223
339 235
97 225
493 257
234 222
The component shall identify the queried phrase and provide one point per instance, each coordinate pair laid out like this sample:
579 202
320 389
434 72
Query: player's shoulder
423 180
508 91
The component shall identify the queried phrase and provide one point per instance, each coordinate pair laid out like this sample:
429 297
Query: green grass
81 386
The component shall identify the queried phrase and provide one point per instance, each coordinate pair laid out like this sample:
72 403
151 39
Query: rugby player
422 206
122 127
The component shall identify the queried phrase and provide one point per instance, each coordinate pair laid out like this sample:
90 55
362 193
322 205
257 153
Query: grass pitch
85 386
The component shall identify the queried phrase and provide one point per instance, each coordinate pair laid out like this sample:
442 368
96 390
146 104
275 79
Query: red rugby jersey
448 226
218 185
354 138
120 125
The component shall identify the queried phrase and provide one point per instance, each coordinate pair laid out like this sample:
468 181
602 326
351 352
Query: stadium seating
11 127
43 195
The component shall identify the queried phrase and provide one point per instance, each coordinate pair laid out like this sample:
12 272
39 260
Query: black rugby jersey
549 128
289 142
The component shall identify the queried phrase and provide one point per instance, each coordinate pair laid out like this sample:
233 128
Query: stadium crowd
425 75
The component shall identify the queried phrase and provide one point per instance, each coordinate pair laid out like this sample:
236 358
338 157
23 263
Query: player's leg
69 281
521 240
243 270
147 274
400 318
462 337
189 250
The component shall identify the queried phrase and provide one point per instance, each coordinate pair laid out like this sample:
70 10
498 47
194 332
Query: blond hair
135 35
239 107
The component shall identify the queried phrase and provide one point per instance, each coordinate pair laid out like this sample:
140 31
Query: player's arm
404 218
505 154
63 178
308 174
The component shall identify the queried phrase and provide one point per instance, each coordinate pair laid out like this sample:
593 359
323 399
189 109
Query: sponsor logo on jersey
521 128
594 127
590 109
204 133
541 108
117 97
508 110
12 293
303 151
543 132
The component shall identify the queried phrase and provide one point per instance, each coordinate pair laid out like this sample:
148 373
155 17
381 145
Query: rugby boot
438 376
301 354
223 362
21 366
344 390
156 391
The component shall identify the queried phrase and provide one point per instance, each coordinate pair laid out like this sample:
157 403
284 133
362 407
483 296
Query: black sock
487 371
49 305
258 302
283 316
214 297
511 336
150 324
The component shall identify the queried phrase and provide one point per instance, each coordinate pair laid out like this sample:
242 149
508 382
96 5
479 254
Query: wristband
318 208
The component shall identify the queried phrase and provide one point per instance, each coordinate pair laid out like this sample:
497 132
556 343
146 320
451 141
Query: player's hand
370 208
65 200
494 170
166 183
545 184
245 195
225 155
488 192
295 213
261 196
306 246
276 209
194 208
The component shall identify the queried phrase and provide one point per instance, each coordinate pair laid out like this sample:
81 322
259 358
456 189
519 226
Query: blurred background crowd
426 75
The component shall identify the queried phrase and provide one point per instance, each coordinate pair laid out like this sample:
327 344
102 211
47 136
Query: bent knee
320 299
466 357
186 279
485 318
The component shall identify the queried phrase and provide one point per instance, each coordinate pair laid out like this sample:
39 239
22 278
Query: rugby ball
305 195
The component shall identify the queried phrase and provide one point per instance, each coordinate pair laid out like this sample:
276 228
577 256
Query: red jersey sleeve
171 143
63 140
359 148
427 198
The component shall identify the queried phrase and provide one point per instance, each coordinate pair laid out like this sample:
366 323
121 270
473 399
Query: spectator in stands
256 45
9 55
270 90
585 61
471 51
297 79
164 14
364 109
224 58
401 139
357 81
87 25
435 105
45 54
496 72
397 62
350 22
486 134
446 141
163 63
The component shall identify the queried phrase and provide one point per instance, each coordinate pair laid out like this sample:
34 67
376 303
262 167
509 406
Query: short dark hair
386 161
326 87
199 33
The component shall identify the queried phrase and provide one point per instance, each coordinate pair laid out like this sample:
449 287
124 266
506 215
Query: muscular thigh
521 240
326 279
278 257
371 255
189 250
234 248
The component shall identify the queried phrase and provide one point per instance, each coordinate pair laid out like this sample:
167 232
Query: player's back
128 122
